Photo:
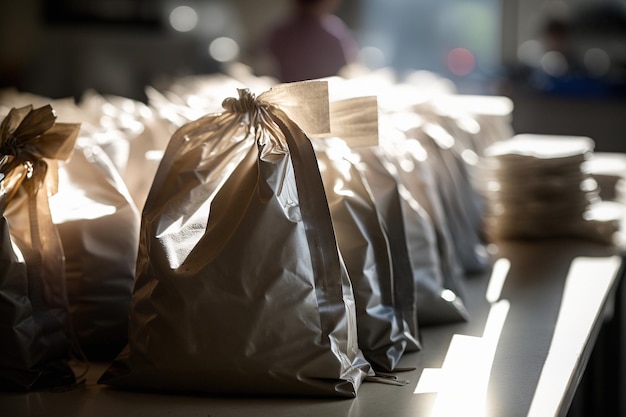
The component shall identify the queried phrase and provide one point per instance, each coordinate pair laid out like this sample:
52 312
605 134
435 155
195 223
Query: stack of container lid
537 186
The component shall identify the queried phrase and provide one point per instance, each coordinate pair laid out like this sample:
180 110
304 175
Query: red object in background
461 61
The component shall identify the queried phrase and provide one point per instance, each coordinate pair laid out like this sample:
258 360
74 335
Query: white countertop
521 354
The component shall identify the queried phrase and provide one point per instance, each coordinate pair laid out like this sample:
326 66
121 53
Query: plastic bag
462 204
240 287
99 227
360 234
34 326
131 134
423 257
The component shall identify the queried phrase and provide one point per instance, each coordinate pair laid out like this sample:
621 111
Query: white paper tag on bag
305 102
355 120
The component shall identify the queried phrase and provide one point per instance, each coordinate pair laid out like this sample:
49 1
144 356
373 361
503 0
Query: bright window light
224 49
183 18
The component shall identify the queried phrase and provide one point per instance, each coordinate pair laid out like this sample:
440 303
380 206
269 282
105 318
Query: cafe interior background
60 48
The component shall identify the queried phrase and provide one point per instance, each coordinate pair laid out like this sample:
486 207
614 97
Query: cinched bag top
246 102
29 136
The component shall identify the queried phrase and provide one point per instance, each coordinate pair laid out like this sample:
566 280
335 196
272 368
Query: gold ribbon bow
27 137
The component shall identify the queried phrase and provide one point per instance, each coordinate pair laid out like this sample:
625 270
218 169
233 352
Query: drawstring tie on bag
20 167
28 137
246 103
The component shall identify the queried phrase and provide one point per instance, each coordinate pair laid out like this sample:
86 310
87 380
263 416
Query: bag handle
325 259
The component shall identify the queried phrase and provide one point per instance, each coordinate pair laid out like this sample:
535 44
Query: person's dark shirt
308 47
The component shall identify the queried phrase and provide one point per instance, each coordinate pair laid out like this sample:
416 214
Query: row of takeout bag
234 235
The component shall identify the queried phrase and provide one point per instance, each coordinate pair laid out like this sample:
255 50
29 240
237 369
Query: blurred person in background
311 43
582 52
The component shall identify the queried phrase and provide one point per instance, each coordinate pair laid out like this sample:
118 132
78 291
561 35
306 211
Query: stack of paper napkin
537 186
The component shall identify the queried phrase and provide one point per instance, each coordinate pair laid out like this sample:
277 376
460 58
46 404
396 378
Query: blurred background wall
562 62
